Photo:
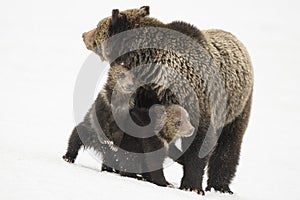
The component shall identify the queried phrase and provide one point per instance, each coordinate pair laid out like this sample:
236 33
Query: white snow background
41 53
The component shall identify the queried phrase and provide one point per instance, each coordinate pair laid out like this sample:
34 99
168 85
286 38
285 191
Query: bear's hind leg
106 168
224 160
74 145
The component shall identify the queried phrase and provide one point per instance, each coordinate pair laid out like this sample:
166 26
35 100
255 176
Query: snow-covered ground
42 52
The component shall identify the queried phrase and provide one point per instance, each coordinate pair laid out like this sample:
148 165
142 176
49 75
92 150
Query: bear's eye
178 123
122 76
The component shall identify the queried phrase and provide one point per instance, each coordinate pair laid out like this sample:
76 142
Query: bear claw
222 189
170 185
68 159
198 191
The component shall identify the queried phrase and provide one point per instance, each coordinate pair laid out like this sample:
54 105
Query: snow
42 52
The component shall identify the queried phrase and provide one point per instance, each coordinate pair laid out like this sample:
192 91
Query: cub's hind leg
74 145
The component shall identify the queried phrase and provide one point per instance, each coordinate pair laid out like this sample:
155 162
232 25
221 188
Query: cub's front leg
154 156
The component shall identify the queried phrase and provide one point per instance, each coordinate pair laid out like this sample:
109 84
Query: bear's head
172 122
120 79
118 22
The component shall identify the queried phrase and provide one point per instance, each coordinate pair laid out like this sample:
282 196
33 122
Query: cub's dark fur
116 146
99 130
169 125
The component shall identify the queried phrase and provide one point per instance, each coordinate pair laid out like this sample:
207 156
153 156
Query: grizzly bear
217 68
98 129
170 123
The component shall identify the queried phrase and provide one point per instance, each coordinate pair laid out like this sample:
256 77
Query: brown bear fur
169 125
96 130
89 134
229 58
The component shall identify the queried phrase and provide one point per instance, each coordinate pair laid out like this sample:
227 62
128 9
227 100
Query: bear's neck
165 138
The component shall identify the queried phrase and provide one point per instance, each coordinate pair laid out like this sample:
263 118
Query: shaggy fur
158 137
174 123
88 133
225 57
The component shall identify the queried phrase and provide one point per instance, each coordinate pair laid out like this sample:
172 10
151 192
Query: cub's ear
144 11
158 117
115 14
157 111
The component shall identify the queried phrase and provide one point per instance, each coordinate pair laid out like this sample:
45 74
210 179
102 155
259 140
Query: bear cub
96 129
100 131
171 123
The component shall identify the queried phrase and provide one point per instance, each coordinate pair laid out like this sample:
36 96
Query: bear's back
234 64
231 59
187 29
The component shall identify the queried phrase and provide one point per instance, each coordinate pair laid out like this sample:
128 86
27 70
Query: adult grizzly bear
217 68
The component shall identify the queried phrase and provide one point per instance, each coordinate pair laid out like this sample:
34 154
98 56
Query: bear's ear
157 114
157 110
144 11
115 15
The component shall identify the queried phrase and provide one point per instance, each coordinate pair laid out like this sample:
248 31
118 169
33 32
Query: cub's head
175 122
120 79
118 22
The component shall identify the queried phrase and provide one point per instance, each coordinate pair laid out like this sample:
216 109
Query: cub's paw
222 189
68 158
170 185
198 191
106 168
160 183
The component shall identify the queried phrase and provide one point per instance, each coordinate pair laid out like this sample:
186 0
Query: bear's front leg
157 177
193 165
153 162
175 154
195 158
193 170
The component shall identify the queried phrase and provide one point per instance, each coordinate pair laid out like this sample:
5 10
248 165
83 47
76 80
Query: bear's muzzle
88 39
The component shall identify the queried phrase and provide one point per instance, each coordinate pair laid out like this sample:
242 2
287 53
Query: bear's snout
187 131
88 39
